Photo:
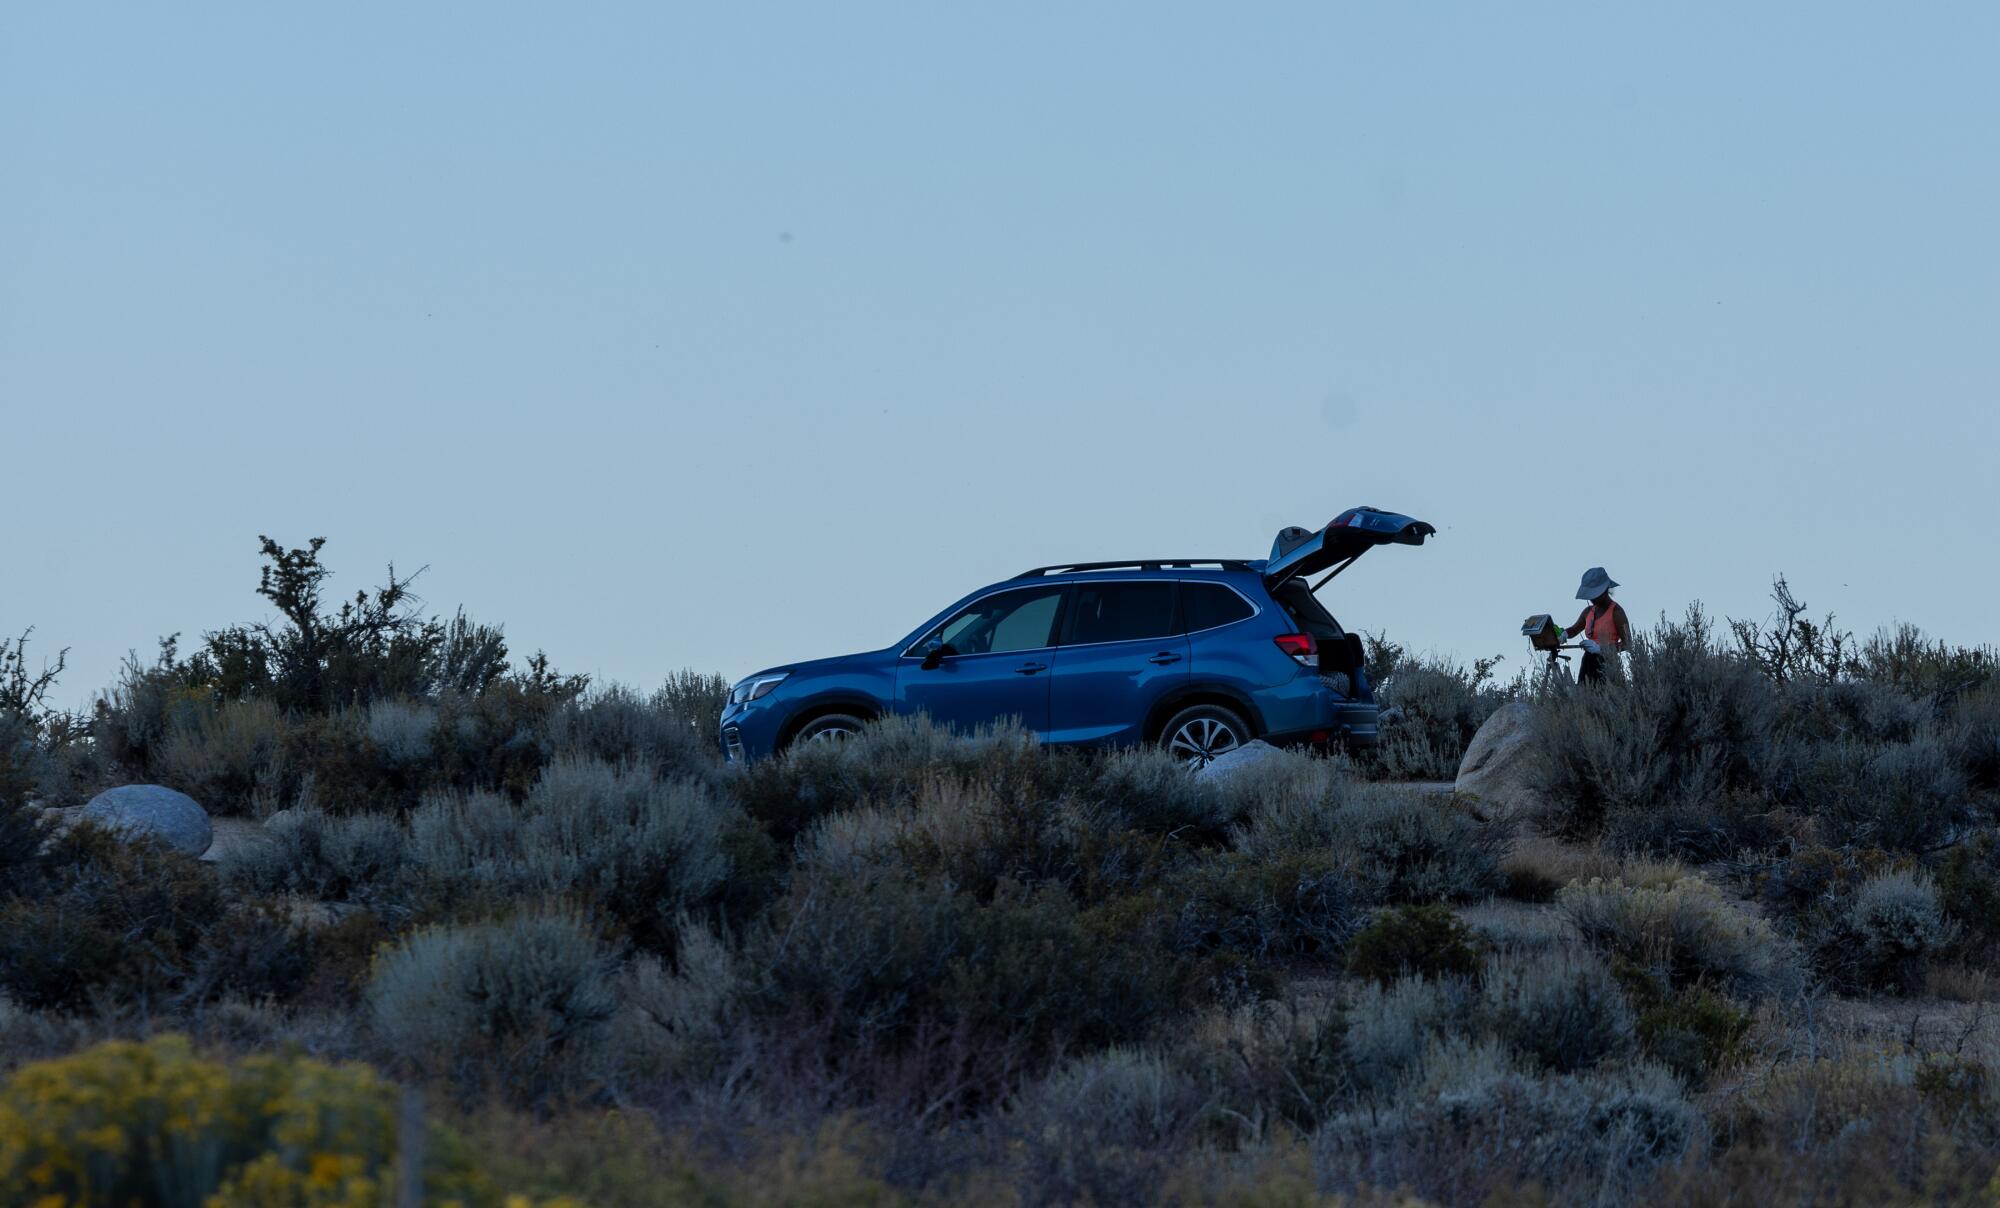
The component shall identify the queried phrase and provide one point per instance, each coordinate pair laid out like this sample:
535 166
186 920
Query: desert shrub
1972 735
349 693
22 762
887 764
400 731
1294 785
676 1019
224 757
305 851
1904 659
1399 845
522 1000
1685 934
1485 1130
1268 1064
966 834
1906 797
24 832
1813 876
1406 847
1856 948
1256 911
1694 1033
255 952
152 1123
105 916
1439 705
882 958
616 725
1900 927
1968 882
343 949
621 1159
372 647
1389 1031
1811 1105
638 847
1414 941
1695 831
1692 726
40 744
1299 805
1854 711
332 759
698 697
1535 869
1560 1008
1105 1129
1149 790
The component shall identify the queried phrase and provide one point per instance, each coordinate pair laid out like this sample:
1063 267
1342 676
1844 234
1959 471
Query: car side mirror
935 653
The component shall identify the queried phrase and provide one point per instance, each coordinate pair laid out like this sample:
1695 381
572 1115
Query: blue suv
1197 655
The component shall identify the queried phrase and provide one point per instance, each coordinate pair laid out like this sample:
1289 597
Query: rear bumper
1346 724
1308 711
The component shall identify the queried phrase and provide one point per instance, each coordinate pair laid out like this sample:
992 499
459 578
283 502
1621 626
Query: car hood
809 665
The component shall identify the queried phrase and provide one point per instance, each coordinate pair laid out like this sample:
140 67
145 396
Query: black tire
829 727
1199 733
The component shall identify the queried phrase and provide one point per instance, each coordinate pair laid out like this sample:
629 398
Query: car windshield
1307 612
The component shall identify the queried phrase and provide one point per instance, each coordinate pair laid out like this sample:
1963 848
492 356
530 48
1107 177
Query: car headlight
756 687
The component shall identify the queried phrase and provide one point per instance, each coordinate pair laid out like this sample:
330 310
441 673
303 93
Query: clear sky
719 336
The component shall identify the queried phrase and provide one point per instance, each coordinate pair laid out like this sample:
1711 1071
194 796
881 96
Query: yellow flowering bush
154 1124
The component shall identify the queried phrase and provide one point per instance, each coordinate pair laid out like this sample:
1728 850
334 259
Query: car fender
1176 700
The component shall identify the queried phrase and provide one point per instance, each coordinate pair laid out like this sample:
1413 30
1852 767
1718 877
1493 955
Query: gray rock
153 811
1249 755
1494 775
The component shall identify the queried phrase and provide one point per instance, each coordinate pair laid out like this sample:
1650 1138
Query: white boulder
1251 754
153 811
1494 776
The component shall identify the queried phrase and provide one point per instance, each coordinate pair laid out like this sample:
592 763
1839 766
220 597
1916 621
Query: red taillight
1300 646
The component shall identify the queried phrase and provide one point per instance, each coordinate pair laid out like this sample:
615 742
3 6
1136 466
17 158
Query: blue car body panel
1103 693
1096 693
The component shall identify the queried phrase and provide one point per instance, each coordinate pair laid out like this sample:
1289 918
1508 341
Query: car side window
1211 605
1004 621
1120 612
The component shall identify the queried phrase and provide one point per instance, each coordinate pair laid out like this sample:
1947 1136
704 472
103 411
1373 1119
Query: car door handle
1164 657
1030 668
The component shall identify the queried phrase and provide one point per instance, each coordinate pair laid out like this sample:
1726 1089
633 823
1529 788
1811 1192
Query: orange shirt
1602 626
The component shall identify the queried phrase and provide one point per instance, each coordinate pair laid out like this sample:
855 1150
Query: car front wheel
1198 734
831 727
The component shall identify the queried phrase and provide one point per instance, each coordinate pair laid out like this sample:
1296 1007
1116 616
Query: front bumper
750 731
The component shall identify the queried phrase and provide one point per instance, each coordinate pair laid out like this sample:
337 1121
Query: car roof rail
1068 568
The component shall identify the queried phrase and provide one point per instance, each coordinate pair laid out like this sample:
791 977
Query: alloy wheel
1198 742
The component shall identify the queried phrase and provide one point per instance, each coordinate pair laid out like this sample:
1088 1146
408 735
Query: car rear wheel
830 727
1198 734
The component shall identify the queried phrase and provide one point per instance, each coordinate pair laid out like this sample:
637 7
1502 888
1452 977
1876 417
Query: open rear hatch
1304 552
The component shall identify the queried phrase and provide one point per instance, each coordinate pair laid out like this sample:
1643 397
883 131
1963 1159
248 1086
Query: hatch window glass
1121 612
1307 612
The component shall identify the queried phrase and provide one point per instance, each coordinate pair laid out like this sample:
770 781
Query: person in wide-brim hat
1602 623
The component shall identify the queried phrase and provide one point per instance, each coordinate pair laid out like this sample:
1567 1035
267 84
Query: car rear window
1307 612
1208 605
1120 612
